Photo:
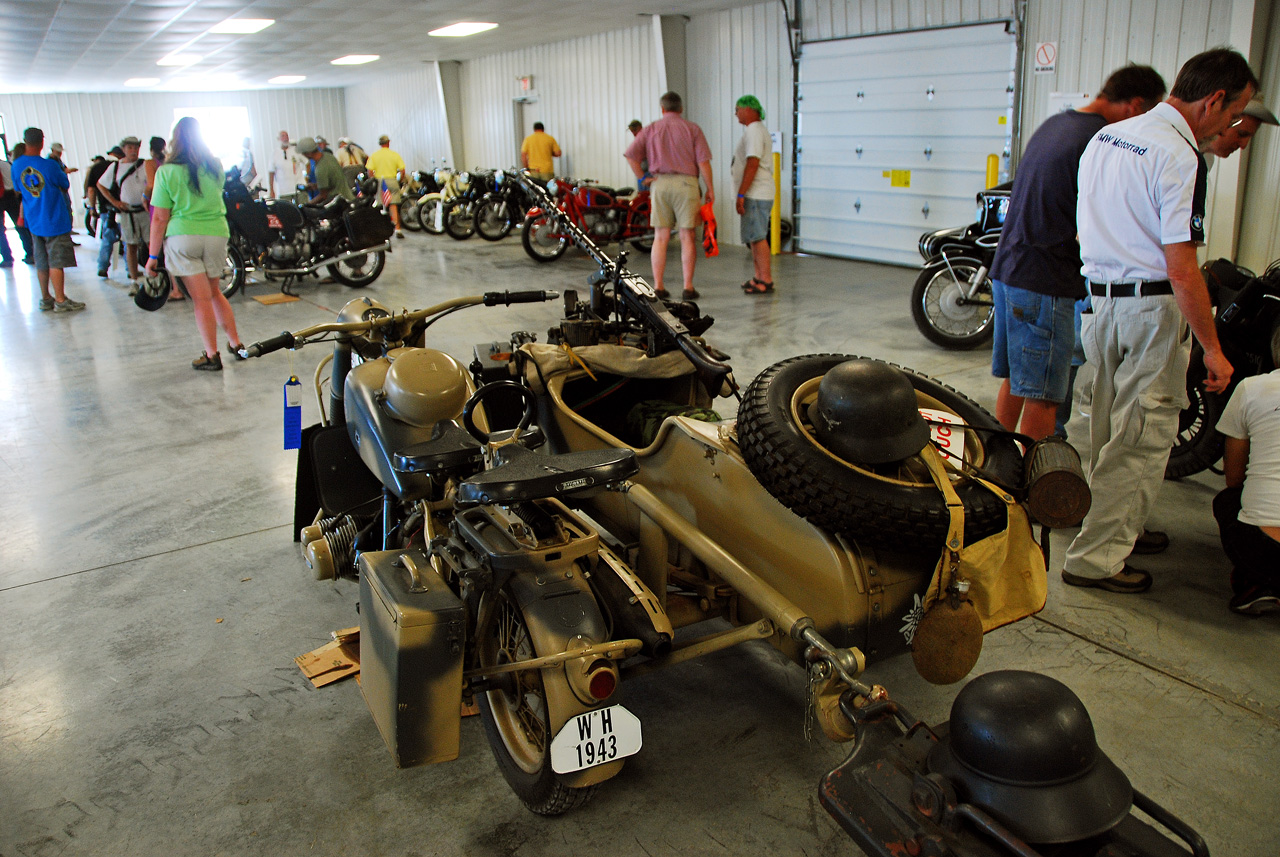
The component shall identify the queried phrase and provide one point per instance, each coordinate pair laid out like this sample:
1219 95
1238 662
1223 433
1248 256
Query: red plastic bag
710 246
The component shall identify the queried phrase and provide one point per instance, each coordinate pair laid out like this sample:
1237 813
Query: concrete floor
152 600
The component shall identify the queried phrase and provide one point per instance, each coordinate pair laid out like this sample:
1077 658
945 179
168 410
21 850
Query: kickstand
284 287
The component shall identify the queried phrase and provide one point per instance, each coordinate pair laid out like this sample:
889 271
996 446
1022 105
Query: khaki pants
1139 347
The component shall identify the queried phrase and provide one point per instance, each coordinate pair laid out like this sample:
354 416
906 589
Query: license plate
595 738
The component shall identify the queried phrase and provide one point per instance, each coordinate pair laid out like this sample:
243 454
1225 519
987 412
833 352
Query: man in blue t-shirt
47 213
1036 272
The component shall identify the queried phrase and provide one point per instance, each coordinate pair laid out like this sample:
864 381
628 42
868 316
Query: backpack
106 207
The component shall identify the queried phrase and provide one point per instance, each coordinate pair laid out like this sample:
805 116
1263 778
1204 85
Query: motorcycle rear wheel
902 510
940 316
495 218
459 219
1198 445
515 717
426 210
358 271
232 272
541 240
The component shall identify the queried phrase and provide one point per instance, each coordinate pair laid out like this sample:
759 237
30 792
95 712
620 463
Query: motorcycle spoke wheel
1198 445
493 219
408 215
358 271
542 239
426 214
942 314
515 714
459 220
232 272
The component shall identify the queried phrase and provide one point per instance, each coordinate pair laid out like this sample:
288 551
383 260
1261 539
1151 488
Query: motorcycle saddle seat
450 450
521 475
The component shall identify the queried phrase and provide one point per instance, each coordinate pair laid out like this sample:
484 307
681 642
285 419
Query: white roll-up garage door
894 135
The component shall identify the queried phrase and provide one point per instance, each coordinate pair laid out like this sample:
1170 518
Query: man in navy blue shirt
1036 272
42 183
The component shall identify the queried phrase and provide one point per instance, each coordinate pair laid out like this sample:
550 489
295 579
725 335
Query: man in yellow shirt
388 168
536 153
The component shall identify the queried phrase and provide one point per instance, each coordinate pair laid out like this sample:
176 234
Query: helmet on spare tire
866 413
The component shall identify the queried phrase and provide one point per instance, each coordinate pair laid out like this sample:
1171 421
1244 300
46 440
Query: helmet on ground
866 413
1021 747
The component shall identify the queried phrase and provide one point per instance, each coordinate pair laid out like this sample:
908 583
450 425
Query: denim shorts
1034 338
755 220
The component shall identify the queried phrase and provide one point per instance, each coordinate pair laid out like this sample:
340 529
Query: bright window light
179 60
464 28
354 59
241 26
142 81
288 78
223 129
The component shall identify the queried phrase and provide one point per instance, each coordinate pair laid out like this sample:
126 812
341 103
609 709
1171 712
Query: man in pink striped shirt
677 153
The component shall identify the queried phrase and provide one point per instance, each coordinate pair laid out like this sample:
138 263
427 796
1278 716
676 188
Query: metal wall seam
419 133
1259 229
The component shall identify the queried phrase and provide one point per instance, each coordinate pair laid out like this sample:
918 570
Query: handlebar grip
275 343
714 374
509 298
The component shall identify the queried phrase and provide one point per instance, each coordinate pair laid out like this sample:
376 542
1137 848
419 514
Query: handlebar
300 337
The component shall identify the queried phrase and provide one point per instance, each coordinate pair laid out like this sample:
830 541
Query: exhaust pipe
385 246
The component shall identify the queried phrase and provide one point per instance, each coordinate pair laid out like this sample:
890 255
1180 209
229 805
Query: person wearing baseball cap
1236 138
752 169
388 168
329 178
349 154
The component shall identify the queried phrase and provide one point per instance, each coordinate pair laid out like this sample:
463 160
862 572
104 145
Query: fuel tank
393 402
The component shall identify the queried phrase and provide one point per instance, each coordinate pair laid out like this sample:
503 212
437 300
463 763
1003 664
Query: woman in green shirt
190 222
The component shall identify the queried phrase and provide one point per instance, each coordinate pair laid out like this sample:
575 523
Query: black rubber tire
459 219
495 217
233 277
935 313
541 251
360 276
852 501
425 211
1198 445
645 242
505 638
407 209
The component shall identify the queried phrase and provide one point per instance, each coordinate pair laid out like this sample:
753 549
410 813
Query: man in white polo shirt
1141 217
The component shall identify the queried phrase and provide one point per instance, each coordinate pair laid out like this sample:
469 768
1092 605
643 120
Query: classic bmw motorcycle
603 214
532 531
289 242
951 301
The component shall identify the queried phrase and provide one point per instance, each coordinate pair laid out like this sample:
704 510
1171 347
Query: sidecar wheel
515 718
542 240
938 313
901 509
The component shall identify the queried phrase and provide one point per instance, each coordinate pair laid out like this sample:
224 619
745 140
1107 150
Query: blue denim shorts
755 219
1034 338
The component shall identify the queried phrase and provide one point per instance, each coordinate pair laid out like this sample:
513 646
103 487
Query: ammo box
411 641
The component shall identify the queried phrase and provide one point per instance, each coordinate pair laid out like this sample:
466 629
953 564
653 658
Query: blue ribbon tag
293 413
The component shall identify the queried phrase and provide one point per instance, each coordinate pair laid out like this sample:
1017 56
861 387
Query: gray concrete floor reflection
153 600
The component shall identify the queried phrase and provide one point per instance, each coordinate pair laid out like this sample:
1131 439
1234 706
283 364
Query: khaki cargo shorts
676 201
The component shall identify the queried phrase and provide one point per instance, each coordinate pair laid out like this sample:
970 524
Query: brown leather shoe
1151 541
1126 580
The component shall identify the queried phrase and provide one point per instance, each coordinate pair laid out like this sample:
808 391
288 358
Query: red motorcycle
603 213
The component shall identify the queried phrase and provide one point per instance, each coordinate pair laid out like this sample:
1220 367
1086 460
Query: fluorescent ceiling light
142 81
179 59
354 59
242 26
464 28
288 78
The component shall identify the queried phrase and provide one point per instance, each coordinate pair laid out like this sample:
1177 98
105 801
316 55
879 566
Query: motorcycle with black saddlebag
289 242
533 532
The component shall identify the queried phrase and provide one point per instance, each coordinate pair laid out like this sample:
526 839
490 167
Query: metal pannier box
412 629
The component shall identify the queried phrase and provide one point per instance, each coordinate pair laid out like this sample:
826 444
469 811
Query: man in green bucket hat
752 171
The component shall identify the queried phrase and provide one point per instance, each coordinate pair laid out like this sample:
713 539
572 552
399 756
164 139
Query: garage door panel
893 163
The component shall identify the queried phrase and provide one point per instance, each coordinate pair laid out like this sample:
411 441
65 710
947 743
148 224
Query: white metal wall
414 119
587 90
838 19
91 123
730 54
1260 220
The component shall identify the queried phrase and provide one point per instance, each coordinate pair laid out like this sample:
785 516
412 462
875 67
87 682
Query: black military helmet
866 413
1021 747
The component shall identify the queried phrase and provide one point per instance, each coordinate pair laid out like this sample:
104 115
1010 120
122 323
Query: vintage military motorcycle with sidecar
534 531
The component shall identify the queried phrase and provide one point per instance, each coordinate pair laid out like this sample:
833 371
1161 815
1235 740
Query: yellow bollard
775 216
993 170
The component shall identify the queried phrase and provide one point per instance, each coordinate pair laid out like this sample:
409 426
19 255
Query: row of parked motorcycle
493 203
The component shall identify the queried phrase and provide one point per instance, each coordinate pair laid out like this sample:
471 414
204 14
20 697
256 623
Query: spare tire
903 509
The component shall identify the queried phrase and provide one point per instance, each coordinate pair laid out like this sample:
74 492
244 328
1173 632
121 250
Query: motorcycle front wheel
358 271
427 211
1198 445
494 218
459 219
542 239
232 272
514 712
938 310
408 212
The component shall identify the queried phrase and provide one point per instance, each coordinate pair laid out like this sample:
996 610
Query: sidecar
857 554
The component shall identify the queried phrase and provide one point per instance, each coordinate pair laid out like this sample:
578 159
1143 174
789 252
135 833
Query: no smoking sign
1046 58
